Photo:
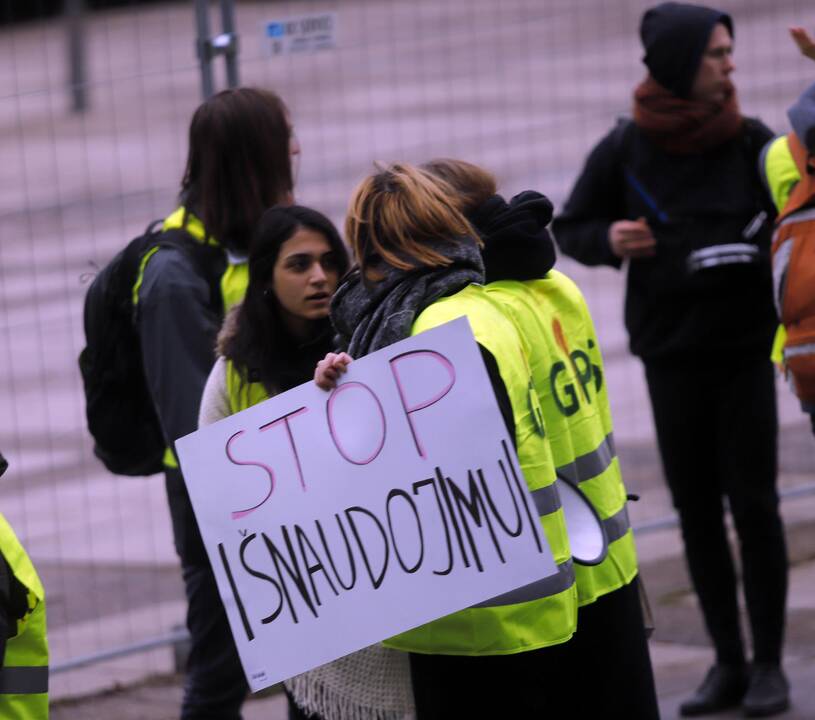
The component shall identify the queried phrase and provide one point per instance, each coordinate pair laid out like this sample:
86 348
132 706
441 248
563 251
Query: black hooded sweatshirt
517 243
674 36
674 308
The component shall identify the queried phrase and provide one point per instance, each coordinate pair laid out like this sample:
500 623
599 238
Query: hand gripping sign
334 520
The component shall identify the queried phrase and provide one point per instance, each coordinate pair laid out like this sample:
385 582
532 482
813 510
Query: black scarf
370 316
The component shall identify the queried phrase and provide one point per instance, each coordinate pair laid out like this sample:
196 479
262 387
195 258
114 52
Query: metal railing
181 636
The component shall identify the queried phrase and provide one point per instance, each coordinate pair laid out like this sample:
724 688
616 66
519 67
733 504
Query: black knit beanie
675 36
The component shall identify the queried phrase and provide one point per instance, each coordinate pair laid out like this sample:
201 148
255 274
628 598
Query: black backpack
121 418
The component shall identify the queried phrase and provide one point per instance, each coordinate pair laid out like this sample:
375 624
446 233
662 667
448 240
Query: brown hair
238 162
473 184
397 216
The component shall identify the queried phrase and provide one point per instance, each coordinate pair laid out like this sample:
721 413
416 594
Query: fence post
75 26
230 53
203 46
209 47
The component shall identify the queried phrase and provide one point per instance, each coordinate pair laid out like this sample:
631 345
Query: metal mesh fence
523 87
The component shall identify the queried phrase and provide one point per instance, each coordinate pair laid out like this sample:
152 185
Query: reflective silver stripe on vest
754 225
740 259
24 680
781 261
537 590
725 249
728 254
798 350
617 525
591 464
547 499
798 216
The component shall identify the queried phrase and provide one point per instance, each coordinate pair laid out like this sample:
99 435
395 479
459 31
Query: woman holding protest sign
420 265
269 344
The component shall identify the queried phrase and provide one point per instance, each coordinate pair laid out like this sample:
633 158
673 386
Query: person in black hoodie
675 195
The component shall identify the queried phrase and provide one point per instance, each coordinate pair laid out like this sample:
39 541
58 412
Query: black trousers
603 671
717 430
215 685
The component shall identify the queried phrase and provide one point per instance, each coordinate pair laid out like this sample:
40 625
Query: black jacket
674 306
177 328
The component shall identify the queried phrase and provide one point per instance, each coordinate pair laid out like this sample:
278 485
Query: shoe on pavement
768 692
724 687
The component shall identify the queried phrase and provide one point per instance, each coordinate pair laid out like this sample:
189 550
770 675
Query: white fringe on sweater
371 684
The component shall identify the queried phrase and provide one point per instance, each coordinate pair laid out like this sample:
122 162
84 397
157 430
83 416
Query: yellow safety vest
781 175
780 170
540 614
233 282
242 394
24 673
559 337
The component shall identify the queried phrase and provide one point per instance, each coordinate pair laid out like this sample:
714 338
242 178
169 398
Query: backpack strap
619 137
799 154
207 261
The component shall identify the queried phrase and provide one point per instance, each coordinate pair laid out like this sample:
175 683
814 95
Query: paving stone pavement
679 649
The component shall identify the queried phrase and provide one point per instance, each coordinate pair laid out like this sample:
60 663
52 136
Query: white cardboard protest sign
334 520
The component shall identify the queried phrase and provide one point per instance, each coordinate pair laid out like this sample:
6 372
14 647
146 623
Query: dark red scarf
684 127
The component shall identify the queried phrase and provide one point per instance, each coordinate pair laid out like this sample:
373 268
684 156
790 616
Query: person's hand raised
631 239
804 41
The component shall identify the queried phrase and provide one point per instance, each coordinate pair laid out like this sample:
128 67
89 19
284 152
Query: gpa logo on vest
574 381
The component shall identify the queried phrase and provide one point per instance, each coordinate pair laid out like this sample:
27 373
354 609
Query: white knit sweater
215 400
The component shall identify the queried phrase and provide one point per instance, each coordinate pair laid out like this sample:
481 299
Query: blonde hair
473 184
398 215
